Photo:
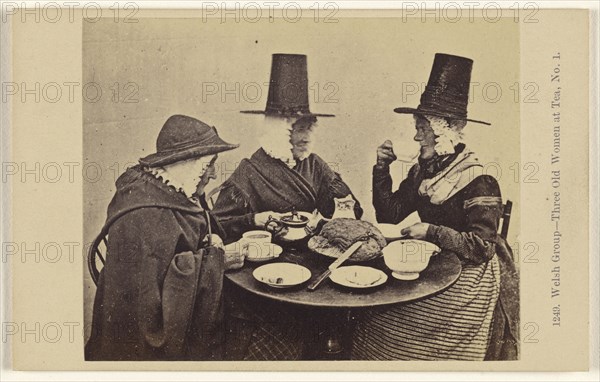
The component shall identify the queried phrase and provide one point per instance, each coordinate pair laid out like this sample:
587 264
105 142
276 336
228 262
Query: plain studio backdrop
138 74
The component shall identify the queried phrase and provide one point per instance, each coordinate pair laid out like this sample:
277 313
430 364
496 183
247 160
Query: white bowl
282 275
408 258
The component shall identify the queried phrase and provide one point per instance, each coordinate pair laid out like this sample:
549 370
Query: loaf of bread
342 233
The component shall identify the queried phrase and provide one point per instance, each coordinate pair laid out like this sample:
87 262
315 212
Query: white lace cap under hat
447 137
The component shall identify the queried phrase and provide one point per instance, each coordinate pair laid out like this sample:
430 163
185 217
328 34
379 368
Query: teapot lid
295 219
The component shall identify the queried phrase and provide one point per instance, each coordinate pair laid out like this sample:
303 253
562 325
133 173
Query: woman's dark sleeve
393 207
483 207
232 213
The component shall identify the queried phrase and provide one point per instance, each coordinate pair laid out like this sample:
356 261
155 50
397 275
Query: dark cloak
159 293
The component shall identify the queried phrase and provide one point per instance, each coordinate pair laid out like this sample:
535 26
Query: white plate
255 254
390 231
358 276
282 275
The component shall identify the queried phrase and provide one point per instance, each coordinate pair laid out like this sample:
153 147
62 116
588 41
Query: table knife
345 256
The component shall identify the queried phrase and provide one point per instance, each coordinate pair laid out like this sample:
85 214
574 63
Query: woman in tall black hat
477 317
159 294
281 175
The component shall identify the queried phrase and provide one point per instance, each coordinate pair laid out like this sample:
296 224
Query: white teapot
289 228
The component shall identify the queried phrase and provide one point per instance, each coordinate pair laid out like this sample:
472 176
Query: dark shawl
263 183
159 293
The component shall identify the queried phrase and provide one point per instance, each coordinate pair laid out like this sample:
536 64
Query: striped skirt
453 325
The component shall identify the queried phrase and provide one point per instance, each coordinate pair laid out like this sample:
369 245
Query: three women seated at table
475 319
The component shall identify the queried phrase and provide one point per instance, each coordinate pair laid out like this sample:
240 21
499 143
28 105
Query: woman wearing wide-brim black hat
159 294
477 317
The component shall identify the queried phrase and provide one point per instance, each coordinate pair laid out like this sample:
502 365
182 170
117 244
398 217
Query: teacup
407 258
256 244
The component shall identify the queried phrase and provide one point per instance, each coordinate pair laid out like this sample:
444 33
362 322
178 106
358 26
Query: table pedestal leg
336 336
333 344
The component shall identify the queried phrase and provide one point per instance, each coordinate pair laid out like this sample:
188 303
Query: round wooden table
443 270
338 302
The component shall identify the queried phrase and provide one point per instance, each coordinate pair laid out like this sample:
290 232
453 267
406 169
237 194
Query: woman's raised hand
385 154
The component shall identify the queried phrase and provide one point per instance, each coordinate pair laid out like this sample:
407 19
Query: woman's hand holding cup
385 154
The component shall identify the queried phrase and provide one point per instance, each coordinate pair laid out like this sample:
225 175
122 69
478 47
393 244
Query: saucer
255 253
258 257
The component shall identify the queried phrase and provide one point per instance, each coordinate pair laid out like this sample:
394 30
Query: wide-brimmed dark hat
182 138
447 92
288 88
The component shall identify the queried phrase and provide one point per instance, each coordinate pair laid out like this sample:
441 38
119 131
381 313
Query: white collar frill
163 176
